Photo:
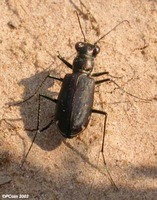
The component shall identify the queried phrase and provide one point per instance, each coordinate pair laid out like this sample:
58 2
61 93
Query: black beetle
75 100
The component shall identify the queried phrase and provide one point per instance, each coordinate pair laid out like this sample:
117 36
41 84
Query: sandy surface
31 34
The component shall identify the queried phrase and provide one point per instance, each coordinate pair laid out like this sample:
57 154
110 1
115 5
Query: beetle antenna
111 30
80 26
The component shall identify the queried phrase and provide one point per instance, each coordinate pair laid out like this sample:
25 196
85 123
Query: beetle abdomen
74 104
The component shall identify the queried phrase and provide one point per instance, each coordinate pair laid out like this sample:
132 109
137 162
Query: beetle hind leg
38 123
102 148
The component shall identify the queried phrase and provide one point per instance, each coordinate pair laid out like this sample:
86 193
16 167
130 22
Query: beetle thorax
83 64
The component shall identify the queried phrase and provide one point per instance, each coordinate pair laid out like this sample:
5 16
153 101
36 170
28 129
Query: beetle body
74 104
75 100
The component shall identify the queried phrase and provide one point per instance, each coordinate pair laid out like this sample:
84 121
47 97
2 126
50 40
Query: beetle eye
96 50
79 45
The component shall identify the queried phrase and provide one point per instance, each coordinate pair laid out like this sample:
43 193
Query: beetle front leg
102 148
65 62
37 90
53 77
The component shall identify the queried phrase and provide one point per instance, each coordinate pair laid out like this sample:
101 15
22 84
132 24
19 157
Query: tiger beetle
74 105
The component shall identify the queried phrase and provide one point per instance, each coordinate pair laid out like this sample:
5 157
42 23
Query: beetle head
87 49
84 61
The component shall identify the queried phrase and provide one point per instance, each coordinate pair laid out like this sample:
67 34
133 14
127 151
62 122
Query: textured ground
31 34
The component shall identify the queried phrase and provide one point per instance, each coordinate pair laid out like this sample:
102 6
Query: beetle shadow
145 172
49 139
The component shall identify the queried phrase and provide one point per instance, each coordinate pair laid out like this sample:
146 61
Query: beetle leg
65 62
49 98
103 73
102 148
48 76
99 74
53 77
48 125
108 79
52 120
102 81
102 113
38 123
